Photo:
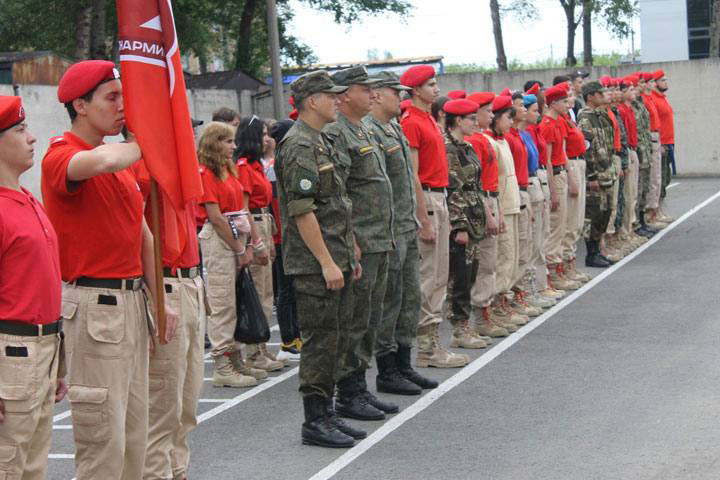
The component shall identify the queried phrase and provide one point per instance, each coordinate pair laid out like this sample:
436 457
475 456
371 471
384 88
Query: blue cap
529 100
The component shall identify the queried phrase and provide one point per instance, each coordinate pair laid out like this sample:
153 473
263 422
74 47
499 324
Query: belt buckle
39 330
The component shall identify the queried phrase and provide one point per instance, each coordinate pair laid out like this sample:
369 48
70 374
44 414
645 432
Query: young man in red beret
32 363
106 257
667 136
647 85
427 149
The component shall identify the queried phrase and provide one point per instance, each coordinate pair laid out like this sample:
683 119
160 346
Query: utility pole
274 43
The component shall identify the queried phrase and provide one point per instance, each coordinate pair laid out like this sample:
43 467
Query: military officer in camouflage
401 306
644 152
318 251
599 133
362 169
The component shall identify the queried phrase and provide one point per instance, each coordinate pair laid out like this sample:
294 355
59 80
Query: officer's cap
592 87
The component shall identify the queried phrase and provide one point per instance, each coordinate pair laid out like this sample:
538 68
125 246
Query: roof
17 56
229 80
386 62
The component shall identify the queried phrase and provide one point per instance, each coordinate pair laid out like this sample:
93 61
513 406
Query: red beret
83 77
291 101
417 75
605 81
501 102
11 112
481 98
534 90
505 93
405 104
565 86
658 74
646 76
456 94
631 80
460 106
554 93
293 115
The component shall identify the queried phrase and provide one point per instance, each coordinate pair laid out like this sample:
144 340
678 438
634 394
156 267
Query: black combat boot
389 380
319 429
349 430
645 230
386 407
593 257
351 401
402 361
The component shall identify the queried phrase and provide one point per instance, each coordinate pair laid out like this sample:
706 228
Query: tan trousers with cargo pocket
262 274
575 210
484 288
558 221
524 234
176 380
106 337
508 253
631 192
27 390
653 196
434 261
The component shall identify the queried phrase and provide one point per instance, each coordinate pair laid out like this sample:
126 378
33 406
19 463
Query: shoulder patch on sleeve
58 141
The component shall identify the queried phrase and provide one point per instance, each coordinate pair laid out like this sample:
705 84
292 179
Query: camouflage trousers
666 169
463 271
643 188
597 213
321 313
401 306
620 212
359 333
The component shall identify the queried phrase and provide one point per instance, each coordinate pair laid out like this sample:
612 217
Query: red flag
156 109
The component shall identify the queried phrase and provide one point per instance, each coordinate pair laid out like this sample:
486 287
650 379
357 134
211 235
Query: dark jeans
286 306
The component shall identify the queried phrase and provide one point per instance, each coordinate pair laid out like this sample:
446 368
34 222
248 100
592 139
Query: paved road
620 382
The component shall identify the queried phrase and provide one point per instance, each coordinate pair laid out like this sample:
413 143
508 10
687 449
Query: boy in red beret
31 370
106 258
647 85
667 137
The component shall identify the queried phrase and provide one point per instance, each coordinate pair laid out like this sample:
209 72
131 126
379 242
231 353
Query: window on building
699 15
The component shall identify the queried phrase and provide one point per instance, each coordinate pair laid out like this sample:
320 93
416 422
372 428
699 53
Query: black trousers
285 303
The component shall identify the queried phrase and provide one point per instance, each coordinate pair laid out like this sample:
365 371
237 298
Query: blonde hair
210 152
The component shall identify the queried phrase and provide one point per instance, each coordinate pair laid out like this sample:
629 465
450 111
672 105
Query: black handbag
252 326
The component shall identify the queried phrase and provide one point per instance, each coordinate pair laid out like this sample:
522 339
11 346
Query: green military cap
357 75
314 82
390 80
592 87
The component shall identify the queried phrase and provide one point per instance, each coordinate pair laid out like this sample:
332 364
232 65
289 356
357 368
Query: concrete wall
48 118
664 30
693 95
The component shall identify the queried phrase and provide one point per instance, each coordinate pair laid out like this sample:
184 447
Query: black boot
349 430
389 380
318 428
593 258
351 401
402 360
645 230
387 407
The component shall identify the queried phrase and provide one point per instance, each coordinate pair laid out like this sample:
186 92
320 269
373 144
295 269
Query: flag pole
157 251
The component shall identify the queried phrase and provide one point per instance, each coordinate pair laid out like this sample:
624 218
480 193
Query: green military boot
432 354
225 375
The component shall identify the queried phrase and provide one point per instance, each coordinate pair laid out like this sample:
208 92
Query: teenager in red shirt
667 136
647 85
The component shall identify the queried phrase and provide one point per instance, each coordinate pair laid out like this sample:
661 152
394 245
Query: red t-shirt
190 256
654 117
489 163
98 221
540 142
228 193
665 115
555 133
575 143
424 135
520 156
628 117
255 183
30 289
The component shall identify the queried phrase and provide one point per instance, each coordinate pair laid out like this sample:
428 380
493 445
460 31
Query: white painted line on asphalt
64 456
62 427
674 184
61 415
398 420
212 400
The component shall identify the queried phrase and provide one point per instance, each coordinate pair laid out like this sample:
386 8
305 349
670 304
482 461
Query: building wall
664 30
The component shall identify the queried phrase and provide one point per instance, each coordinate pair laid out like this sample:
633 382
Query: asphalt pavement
620 381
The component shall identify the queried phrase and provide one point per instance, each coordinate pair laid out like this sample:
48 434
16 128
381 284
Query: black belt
523 189
523 207
259 211
433 189
27 330
491 194
190 272
558 169
110 283
533 175
576 158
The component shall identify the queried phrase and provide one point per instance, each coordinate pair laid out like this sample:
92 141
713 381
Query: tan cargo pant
631 192
176 380
262 274
614 197
484 288
508 253
27 390
434 261
106 343
576 210
525 239
653 196
221 271
558 221
538 226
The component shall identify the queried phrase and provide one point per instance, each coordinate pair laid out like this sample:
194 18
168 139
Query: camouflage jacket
623 139
308 181
362 169
398 163
465 201
599 132
642 117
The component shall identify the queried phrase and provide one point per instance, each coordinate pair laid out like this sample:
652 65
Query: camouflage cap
390 80
314 82
592 87
357 75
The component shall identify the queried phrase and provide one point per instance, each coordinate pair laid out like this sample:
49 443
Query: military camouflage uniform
362 168
599 132
467 214
644 151
401 306
309 182
624 159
